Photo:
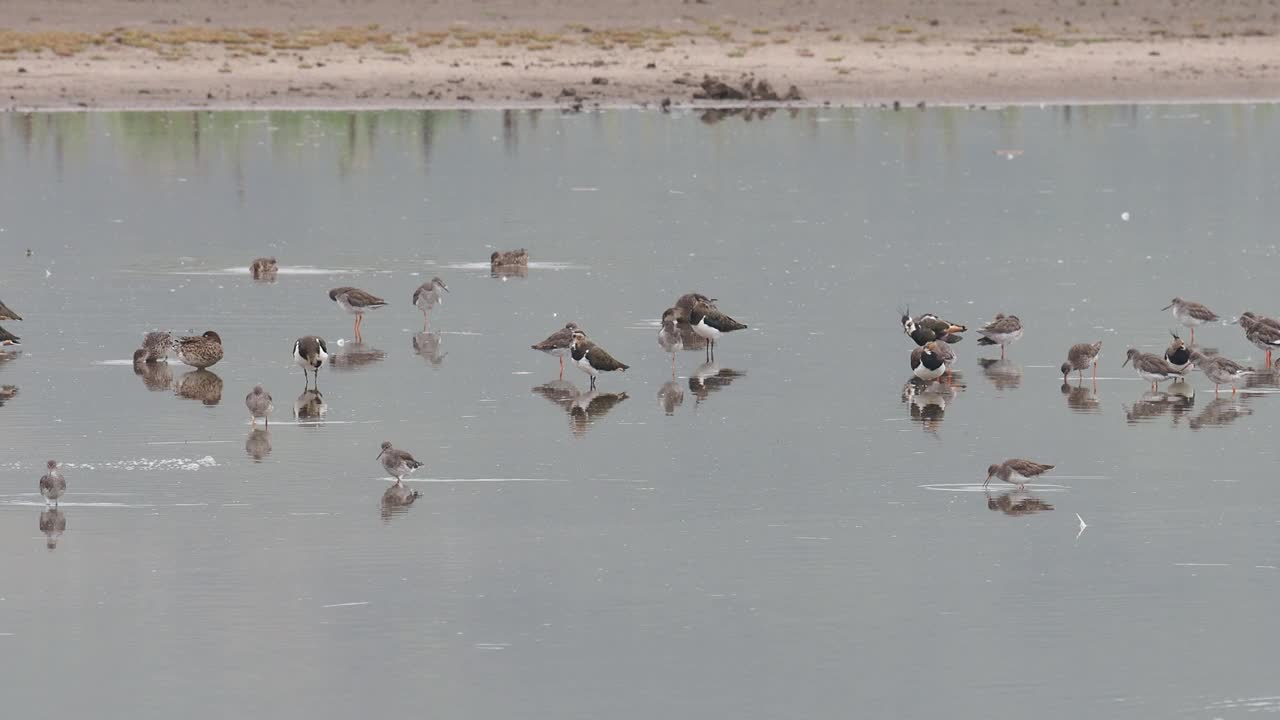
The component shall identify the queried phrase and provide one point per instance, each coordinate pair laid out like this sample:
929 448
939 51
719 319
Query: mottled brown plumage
263 268
156 346
1017 471
689 301
397 462
52 484
258 401
1081 356
200 351
202 385
399 496
509 258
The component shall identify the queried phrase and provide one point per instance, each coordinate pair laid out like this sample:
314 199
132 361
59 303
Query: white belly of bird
1186 318
1006 338
297 357
342 300
1017 478
706 331
1152 377
925 373
585 366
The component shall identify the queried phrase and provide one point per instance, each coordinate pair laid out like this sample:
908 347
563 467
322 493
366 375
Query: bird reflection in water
1220 411
1004 374
927 401
1080 398
310 405
1175 401
355 356
258 444
202 385
427 346
670 396
397 499
1262 379
1017 504
7 393
156 376
52 523
709 377
584 408
504 272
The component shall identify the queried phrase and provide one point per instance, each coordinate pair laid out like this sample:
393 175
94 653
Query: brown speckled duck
263 268
509 258
200 351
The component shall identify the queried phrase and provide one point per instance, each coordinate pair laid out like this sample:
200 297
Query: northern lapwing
927 363
929 327
709 323
310 352
591 358
1178 355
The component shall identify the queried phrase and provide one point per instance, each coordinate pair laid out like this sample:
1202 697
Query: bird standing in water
427 296
1081 356
1190 314
1016 471
52 484
259 403
357 302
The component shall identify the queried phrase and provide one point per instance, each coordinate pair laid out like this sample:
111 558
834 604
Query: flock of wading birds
694 321
933 357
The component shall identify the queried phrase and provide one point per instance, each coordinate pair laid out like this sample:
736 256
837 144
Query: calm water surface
794 531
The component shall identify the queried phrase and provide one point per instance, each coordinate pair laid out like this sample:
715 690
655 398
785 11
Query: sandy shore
58 54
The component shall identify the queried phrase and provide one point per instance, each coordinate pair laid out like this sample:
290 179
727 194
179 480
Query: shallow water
793 532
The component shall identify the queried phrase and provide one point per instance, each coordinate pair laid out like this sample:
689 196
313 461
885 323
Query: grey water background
802 537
